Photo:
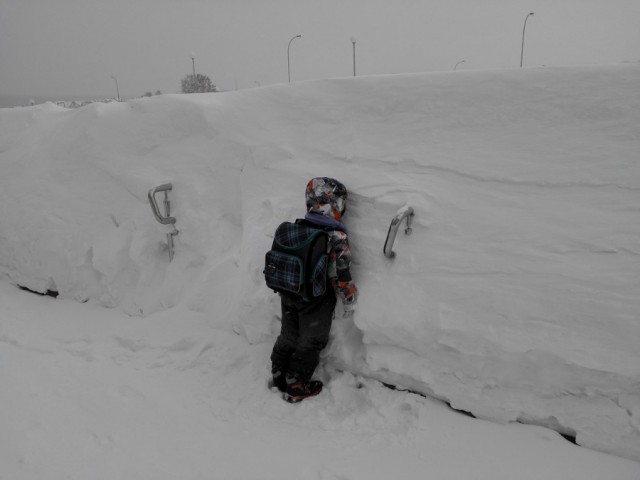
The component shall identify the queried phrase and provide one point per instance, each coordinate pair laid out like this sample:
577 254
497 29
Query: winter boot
298 391
277 379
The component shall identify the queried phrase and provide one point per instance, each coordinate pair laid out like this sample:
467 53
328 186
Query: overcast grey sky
74 47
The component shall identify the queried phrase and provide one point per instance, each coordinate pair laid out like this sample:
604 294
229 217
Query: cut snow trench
515 297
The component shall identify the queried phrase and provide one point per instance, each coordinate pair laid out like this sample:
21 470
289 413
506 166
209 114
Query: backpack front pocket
283 272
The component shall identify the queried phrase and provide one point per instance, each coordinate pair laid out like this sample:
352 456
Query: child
306 324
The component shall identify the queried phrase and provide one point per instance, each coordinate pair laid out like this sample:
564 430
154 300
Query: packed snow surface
515 297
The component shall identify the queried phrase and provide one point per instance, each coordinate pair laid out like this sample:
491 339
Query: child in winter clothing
306 324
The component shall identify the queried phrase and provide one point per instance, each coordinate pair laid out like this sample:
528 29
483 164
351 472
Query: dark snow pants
304 333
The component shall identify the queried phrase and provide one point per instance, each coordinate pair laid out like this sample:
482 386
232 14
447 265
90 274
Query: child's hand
348 310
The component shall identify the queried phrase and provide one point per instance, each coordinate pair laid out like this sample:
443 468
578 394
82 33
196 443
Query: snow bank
515 297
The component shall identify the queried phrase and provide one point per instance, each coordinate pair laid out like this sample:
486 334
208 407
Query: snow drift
515 298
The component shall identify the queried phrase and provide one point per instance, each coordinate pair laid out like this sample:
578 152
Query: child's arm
340 261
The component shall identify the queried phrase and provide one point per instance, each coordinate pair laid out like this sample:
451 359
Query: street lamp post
193 64
117 88
456 65
353 41
288 57
523 29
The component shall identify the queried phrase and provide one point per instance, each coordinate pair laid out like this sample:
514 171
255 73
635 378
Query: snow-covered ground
515 297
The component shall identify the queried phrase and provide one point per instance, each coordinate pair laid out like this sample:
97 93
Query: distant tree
198 84
158 92
148 94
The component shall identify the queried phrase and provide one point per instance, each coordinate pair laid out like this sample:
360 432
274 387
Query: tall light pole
288 57
456 65
193 64
117 88
523 28
353 41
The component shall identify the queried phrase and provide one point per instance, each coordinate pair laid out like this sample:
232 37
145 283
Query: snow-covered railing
404 212
165 219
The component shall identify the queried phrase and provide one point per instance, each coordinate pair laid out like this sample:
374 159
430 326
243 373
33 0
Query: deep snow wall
515 298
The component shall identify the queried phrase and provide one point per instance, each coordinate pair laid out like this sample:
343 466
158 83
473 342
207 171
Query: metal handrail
404 212
165 219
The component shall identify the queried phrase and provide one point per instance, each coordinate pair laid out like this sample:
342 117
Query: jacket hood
326 196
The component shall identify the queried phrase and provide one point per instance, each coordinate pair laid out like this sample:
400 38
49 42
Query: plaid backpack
297 261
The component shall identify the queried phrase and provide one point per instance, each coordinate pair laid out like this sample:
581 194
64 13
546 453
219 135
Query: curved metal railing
165 219
404 212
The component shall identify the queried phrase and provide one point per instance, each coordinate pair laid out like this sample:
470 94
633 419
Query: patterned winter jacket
338 269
